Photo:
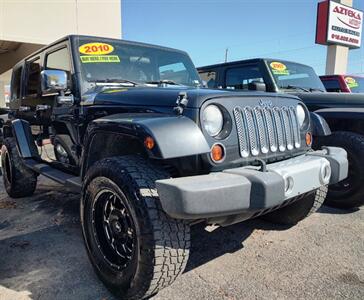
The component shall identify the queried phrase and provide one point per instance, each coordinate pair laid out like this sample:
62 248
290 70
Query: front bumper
248 190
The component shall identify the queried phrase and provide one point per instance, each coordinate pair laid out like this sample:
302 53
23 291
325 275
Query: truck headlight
301 114
212 120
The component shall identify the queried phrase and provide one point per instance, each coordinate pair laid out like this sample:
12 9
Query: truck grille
266 129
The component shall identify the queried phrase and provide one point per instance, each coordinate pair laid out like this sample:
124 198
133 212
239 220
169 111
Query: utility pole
226 54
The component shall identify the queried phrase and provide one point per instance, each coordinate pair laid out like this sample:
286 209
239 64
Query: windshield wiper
316 89
294 87
164 81
115 80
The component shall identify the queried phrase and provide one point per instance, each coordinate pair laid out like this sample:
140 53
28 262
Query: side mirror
257 86
53 81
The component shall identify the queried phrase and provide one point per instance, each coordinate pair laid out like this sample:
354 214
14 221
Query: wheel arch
344 119
104 144
124 134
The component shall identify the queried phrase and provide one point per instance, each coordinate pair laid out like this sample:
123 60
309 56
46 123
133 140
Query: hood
332 99
158 96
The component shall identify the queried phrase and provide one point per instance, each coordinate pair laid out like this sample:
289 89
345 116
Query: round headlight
212 120
301 114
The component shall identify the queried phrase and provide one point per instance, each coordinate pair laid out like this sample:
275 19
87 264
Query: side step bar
63 178
28 151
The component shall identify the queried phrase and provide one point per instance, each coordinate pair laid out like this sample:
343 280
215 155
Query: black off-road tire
162 243
348 193
306 205
19 181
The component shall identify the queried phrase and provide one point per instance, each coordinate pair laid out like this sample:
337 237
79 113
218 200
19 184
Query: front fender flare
319 126
175 136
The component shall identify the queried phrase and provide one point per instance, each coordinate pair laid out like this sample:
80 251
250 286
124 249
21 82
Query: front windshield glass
288 75
107 60
356 84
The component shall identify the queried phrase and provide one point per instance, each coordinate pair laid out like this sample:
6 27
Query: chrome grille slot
287 128
272 135
280 130
295 126
262 133
249 115
242 134
266 129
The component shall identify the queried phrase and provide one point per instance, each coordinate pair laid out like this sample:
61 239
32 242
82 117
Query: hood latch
182 101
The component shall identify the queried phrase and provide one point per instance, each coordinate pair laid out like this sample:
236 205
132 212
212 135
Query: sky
281 29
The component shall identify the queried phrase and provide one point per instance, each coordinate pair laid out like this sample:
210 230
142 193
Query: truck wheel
134 247
298 210
19 181
348 193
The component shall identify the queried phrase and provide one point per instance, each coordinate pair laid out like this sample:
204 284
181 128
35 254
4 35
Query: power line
277 52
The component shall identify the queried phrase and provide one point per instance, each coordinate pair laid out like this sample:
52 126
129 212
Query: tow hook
262 164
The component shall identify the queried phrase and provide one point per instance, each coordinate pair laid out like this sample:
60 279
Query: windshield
106 60
356 84
289 75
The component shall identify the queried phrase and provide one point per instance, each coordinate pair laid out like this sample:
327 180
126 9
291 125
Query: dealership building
27 25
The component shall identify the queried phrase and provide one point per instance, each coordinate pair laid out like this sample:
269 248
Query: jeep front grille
266 129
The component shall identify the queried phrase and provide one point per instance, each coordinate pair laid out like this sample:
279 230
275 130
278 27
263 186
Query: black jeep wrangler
344 113
127 125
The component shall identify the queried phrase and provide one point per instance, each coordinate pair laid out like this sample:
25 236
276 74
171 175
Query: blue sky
282 29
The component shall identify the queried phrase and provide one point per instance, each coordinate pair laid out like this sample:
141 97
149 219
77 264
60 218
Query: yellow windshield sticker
352 83
96 49
278 68
99 59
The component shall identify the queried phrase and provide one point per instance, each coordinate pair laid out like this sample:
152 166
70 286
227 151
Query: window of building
33 77
239 78
210 78
15 83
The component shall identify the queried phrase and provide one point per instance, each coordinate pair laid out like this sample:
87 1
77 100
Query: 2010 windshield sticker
97 53
278 68
96 49
351 82
99 59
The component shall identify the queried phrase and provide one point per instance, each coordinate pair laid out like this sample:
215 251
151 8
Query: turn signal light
217 153
308 139
149 143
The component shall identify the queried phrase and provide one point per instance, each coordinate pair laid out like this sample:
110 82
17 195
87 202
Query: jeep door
16 86
59 57
31 87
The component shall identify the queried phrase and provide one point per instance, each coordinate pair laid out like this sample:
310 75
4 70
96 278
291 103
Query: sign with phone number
338 24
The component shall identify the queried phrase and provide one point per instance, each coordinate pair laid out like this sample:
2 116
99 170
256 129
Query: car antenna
182 101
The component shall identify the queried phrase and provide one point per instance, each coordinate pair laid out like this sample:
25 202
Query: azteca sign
338 24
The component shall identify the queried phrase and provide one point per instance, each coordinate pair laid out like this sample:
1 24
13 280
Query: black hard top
247 61
73 39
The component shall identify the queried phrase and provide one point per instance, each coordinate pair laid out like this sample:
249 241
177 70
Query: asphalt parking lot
42 255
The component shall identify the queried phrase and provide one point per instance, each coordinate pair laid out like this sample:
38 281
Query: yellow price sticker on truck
279 68
85 59
96 49
352 83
